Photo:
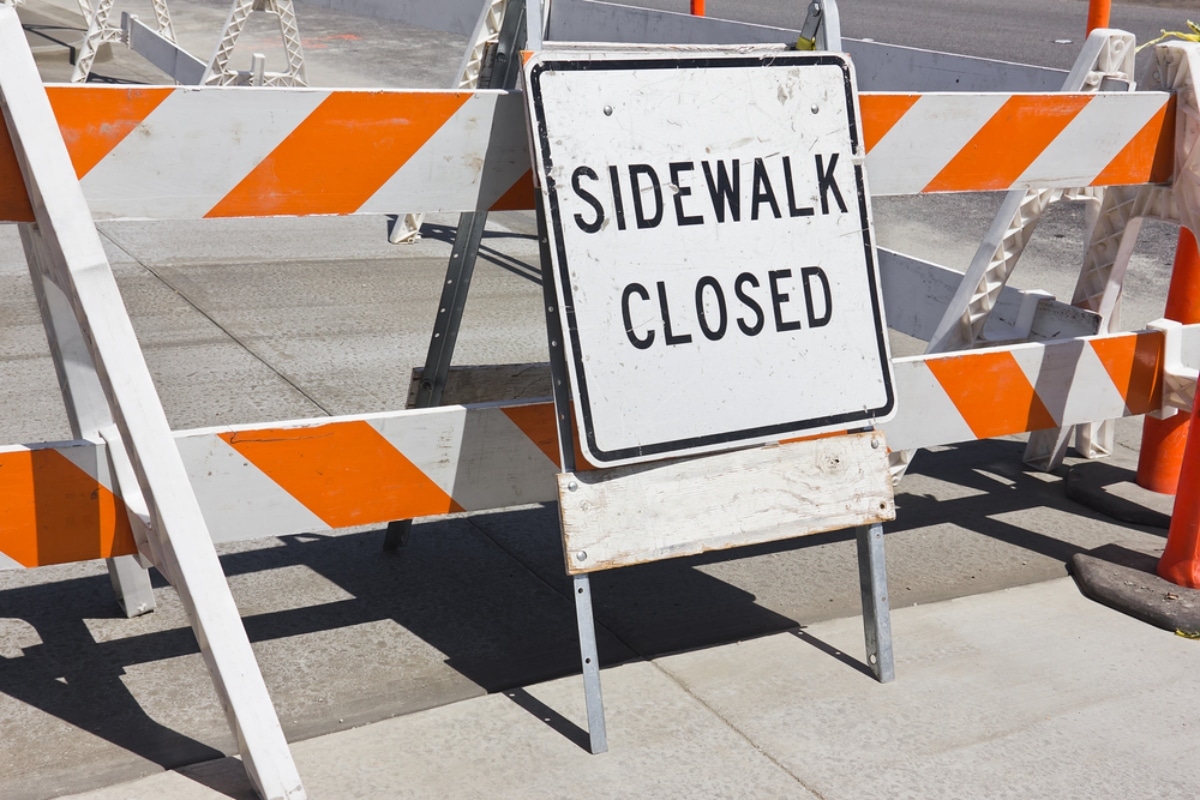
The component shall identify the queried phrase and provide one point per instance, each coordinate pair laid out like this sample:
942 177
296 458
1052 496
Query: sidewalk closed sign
711 248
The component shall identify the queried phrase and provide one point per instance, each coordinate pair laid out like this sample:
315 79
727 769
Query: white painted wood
85 404
635 514
479 456
78 265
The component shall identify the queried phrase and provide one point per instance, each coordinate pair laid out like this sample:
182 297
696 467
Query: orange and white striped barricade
292 477
110 394
1105 61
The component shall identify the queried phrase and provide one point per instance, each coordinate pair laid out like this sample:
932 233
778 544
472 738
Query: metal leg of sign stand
877 618
591 664
505 71
581 585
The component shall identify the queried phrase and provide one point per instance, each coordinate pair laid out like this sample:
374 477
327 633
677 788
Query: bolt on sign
711 248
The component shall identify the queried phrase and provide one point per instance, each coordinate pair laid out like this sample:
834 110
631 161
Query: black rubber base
1125 579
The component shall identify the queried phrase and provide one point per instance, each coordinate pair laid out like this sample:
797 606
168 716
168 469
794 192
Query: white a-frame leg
75 281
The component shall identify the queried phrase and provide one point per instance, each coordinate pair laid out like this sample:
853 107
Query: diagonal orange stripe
992 393
55 513
1150 155
14 200
94 120
341 154
346 473
880 112
1134 363
519 196
1009 142
537 422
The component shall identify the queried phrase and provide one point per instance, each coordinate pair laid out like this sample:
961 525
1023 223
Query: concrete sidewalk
1032 692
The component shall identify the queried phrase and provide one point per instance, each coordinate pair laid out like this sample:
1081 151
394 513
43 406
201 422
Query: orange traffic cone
1164 440
1180 562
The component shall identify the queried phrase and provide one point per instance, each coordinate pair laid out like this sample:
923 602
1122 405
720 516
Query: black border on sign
567 312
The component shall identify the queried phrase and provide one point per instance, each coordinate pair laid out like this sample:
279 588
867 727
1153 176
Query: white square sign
711 248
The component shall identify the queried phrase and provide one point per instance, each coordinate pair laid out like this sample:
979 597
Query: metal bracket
822 27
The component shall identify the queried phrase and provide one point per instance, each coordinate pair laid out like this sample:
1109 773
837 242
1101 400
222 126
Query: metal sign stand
505 71
718 498
109 394
581 585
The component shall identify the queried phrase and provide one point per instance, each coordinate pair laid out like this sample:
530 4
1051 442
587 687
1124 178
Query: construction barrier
131 486
315 475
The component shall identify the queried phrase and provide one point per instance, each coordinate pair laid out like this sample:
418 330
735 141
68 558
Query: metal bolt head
581 555
815 108
572 486
608 111
874 444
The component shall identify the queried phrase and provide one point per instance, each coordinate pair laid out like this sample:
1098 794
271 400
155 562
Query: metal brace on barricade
101 31
822 27
109 393
160 48
511 39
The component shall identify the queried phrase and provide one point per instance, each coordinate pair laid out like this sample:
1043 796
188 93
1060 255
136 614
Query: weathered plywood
488 383
641 513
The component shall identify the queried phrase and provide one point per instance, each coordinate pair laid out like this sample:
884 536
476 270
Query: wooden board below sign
641 513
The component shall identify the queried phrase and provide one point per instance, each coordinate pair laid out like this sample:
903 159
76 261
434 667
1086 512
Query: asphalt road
1042 32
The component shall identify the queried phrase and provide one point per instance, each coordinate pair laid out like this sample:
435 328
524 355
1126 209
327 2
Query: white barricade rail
277 157
124 489
255 481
